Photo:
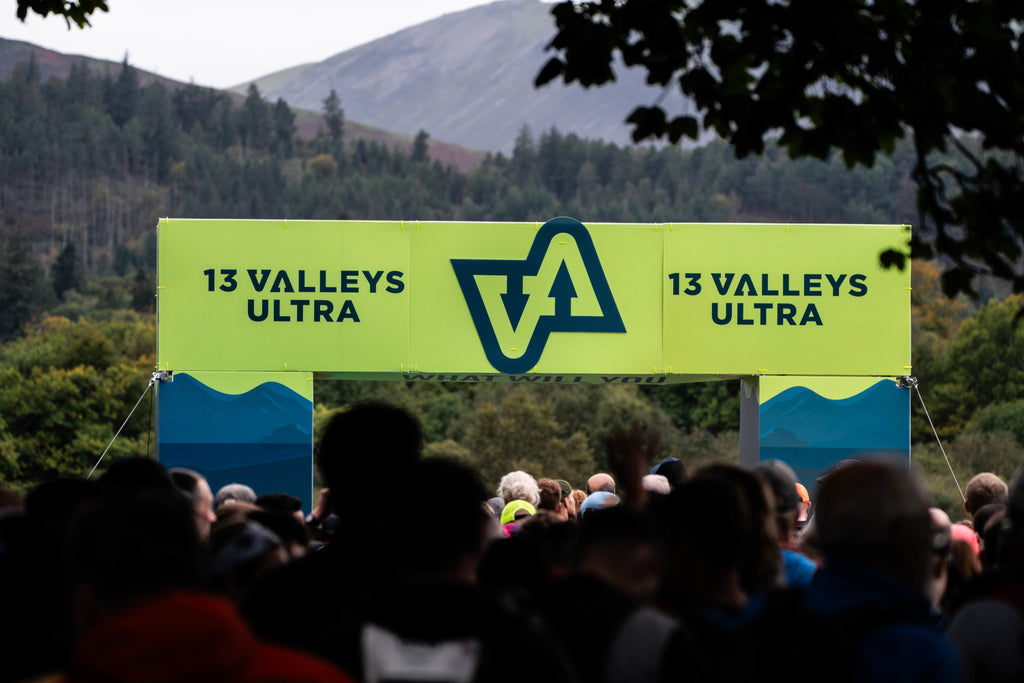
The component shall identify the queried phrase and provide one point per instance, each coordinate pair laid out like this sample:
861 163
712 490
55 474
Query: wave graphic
263 438
811 433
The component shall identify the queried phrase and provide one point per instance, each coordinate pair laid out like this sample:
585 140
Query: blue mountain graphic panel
812 433
263 437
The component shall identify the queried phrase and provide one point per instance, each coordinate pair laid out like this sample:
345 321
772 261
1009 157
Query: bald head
600 482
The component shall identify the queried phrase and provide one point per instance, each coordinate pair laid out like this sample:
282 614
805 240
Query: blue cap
654 469
598 500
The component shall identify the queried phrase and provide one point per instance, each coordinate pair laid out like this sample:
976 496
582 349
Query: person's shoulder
910 652
274 664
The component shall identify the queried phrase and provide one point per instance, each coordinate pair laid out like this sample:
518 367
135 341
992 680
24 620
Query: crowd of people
411 569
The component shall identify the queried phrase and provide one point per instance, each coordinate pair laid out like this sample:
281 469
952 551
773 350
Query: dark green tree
158 130
284 129
23 291
334 119
846 76
122 94
67 271
982 366
524 155
143 289
420 146
254 127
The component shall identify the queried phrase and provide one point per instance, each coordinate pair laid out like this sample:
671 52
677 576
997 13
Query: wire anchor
158 376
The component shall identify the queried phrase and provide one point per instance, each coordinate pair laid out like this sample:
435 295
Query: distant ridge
57 64
54 64
467 78
271 81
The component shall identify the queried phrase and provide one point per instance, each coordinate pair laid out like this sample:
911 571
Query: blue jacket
905 646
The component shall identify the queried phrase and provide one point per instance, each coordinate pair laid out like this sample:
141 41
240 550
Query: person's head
995 537
984 489
125 549
292 531
803 508
981 517
672 469
657 484
282 503
599 500
876 514
136 473
362 445
238 492
569 507
519 485
459 531
517 511
495 505
194 485
710 534
600 482
52 506
966 534
622 547
781 481
241 552
579 496
962 568
550 495
762 564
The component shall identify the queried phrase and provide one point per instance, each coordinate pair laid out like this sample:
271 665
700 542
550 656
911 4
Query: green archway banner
561 301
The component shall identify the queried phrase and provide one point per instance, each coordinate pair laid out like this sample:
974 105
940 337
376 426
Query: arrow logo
514 299
550 314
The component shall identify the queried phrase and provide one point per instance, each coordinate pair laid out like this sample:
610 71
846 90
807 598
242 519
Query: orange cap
802 491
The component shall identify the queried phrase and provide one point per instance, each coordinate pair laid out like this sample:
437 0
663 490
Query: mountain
467 78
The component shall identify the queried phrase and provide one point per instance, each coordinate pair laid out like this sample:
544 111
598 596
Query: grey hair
656 483
239 492
519 485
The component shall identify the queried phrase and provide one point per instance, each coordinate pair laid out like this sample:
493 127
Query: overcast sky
221 43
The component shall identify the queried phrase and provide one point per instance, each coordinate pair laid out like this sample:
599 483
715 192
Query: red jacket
186 636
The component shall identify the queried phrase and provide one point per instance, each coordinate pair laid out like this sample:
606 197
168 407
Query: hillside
467 77
52 64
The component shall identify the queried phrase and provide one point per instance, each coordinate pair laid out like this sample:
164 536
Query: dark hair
711 515
876 513
132 547
279 502
550 494
364 442
455 509
135 473
763 561
672 469
284 524
983 489
617 529
985 513
53 504
185 481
